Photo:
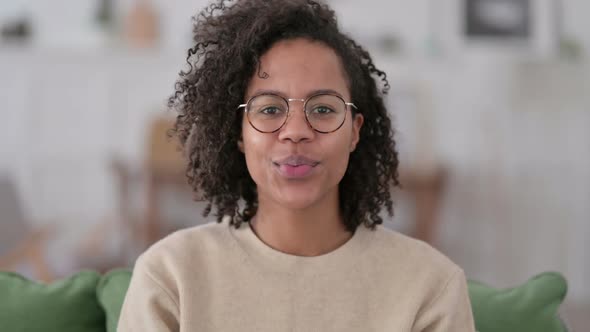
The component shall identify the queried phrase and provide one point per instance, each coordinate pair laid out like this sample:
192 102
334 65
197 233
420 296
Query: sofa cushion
66 305
532 306
111 293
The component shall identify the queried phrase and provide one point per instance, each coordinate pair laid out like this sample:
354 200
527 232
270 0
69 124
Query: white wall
415 21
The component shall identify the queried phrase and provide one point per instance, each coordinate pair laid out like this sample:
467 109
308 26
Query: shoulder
409 268
416 258
185 248
395 243
185 259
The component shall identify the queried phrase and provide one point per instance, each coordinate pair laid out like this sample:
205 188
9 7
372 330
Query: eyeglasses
268 112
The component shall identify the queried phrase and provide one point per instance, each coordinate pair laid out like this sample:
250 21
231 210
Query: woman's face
297 167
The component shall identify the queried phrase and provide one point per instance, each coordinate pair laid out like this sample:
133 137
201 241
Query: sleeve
148 305
449 311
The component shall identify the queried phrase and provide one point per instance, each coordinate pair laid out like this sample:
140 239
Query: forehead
297 68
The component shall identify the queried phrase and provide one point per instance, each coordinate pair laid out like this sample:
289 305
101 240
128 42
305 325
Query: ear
241 145
357 124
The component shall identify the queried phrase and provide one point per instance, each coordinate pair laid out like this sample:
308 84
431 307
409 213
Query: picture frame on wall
497 19
508 27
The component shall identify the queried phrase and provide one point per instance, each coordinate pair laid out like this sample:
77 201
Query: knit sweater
215 277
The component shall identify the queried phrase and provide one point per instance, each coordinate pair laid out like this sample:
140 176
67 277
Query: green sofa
90 302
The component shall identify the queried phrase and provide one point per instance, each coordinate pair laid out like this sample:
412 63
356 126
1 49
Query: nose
296 129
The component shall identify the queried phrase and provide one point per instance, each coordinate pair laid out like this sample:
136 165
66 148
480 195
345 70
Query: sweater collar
267 257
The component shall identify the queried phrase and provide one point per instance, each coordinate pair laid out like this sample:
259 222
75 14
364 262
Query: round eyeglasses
268 112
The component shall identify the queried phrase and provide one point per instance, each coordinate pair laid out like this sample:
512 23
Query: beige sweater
217 278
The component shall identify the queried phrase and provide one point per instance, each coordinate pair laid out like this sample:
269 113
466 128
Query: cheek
339 154
256 149
341 163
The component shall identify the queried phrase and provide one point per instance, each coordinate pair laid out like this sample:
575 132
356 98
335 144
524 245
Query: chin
298 198
296 204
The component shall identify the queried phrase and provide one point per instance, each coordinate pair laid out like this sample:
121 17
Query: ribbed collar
342 258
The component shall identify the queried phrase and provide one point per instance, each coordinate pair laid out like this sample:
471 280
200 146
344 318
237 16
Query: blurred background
489 97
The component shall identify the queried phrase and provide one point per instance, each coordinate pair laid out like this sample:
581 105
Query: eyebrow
277 92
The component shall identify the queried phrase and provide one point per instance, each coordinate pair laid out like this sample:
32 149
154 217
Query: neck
312 231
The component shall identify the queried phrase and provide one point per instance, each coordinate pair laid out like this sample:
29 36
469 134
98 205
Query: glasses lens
267 113
325 113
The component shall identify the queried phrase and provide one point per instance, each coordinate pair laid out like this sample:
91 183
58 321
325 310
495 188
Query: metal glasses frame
287 100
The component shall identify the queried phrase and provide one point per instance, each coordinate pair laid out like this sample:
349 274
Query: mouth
295 167
295 160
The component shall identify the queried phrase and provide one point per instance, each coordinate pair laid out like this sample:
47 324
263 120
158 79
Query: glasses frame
287 100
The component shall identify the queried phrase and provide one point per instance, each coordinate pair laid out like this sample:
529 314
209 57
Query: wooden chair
163 167
427 191
19 242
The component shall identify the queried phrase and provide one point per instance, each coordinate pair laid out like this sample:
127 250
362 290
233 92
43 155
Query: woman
288 138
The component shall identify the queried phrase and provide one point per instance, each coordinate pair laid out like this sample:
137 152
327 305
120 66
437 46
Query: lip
296 160
295 166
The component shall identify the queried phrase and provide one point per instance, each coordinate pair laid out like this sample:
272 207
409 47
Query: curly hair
229 41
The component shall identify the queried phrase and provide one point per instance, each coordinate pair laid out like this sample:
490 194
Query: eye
322 110
271 110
